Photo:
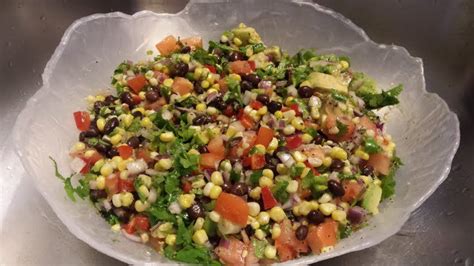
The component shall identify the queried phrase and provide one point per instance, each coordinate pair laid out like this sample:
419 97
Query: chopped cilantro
379 100
371 146
255 176
82 190
388 181
342 128
279 191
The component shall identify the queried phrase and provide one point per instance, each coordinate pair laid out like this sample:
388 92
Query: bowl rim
52 62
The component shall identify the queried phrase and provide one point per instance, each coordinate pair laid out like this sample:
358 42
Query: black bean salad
237 154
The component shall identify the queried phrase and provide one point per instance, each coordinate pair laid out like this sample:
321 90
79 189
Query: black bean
367 170
91 133
201 120
152 96
301 232
263 98
110 99
252 78
240 189
227 187
97 106
305 92
318 139
246 85
127 98
249 230
180 69
336 188
186 49
271 162
315 217
133 142
103 147
337 165
122 214
218 52
274 106
112 152
82 136
236 56
195 211
281 149
96 194
203 149
197 87
137 114
218 103
110 125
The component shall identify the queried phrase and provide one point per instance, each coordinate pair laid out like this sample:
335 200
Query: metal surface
440 232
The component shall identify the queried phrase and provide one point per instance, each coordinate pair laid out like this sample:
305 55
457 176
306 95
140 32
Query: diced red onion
356 215
211 97
265 84
77 164
134 238
224 243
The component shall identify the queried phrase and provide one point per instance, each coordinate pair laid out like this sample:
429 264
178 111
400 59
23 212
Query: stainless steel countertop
440 232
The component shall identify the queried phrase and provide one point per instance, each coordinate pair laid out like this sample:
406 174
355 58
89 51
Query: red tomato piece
323 235
130 227
90 161
295 107
126 185
141 222
137 83
246 121
211 68
210 160
314 170
82 119
268 200
182 86
193 42
380 162
112 184
352 191
264 136
240 67
216 146
144 154
232 208
125 151
293 142
287 245
256 104
186 187
252 65
136 99
168 45
257 161
331 121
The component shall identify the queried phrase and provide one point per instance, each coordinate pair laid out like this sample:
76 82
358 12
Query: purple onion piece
379 125
356 215
265 84
224 243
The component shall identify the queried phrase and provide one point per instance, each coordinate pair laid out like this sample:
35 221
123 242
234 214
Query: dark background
440 232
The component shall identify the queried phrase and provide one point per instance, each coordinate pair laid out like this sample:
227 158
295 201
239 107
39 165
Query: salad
237 154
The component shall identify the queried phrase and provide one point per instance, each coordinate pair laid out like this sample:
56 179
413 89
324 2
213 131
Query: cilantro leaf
233 92
160 213
342 128
172 182
388 181
255 176
258 247
183 234
371 146
203 57
82 190
344 231
279 191
379 100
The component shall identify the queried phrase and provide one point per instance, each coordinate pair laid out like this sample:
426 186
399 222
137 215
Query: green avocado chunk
324 82
372 198
246 34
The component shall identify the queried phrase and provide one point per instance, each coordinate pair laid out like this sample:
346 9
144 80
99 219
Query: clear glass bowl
425 130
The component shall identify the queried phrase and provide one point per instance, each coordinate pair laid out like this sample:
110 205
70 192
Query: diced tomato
125 151
182 86
331 121
211 68
130 227
160 76
323 235
186 186
257 161
256 104
352 190
90 161
82 119
156 105
136 99
252 65
112 184
314 170
141 222
233 253
287 245
229 110
126 185
249 139
210 160
246 121
168 45
293 142
216 146
268 200
137 83
232 208
380 162
193 42
295 107
240 67
223 87
368 124
264 136
144 154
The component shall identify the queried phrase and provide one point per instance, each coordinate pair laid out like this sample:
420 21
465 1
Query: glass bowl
425 130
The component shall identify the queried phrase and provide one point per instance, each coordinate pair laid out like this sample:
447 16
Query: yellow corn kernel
168 82
327 161
268 173
216 178
205 84
304 208
170 239
265 182
100 182
116 201
167 136
89 153
197 73
139 109
276 231
344 64
296 210
212 90
289 100
215 87
193 152
186 200
215 192
260 148
237 41
262 111
106 169
288 130
367 179
282 169
100 124
339 215
198 224
305 171
99 98
201 107
165 164
362 154
126 198
199 183
327 249
327 208
299 157
377 182
270 252
260 234
143 190
272 145
207 189
78 146
254 208
116 228
344 205
306 138
141 95
211 110
122 166
326 197
146 123
338 153
200 237
263 218
115 139
235 77
292 186
146 180
127 120
314 205
278 115
214 216
255 193
277 214
298 123
185 58
140 206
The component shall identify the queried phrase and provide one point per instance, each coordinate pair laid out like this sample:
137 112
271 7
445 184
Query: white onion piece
107 205
167 115
151 171
286 159
227 228
93 184
134 238
136 167
152 196
77 164
174 208
238 126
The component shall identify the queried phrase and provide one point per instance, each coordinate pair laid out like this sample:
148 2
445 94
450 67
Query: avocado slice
362 84
372 198
273 51
246 34
324 82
